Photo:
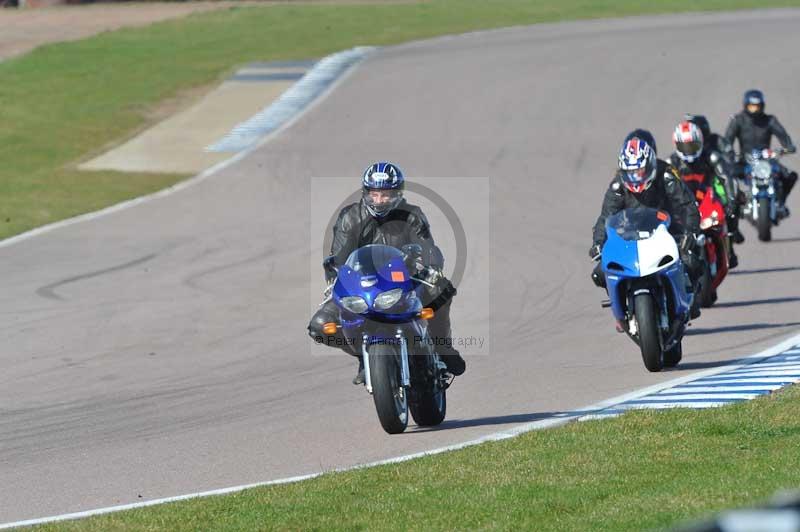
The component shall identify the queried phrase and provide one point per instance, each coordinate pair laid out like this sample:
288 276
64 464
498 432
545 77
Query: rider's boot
439 331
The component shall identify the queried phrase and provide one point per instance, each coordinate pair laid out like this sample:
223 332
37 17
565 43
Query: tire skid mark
48 291
192 280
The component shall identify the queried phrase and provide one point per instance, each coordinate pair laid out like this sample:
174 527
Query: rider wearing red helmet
689 159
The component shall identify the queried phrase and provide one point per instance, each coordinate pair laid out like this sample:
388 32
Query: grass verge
64 102
644 470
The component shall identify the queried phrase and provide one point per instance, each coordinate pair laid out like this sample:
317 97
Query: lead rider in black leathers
659 187
754 129
395 223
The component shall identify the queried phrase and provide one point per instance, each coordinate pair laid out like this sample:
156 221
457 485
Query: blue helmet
754 97
382 187
637 160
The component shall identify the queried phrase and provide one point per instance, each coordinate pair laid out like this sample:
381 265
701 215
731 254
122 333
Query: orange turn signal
426 313
329 328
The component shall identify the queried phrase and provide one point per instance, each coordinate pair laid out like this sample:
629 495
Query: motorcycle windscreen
368 260
636 224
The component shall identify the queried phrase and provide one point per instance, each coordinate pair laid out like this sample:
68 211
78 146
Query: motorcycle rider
754 129
383 216
643 180
691 159
719 154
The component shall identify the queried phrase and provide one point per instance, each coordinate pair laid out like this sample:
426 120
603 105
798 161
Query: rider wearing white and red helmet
690 160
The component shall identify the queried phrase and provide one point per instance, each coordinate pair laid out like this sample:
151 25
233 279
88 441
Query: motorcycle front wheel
391 399
764 221
649 334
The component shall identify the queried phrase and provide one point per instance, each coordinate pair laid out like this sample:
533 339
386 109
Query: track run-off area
161 349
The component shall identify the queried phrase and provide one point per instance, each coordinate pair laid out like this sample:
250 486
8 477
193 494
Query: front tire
649 334
391 398
706 290
673 356
764 221
430 408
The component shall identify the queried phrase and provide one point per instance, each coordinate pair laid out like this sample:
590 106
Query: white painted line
733 389
297 97
189 182
665 405
722 397
555 421
730 380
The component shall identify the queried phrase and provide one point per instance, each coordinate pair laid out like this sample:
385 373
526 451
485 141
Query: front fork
405 377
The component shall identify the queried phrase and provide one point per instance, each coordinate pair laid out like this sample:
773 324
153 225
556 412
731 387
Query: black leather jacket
667 193
756 132
405 224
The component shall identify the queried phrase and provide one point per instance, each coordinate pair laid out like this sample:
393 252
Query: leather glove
433 274
594 252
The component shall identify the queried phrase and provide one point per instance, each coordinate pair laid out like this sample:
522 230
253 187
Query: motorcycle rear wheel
391 399
649 334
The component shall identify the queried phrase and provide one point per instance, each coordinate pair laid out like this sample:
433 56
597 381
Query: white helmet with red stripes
688 140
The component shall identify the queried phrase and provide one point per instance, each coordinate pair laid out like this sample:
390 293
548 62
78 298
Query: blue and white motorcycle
649 291
382 317
761 189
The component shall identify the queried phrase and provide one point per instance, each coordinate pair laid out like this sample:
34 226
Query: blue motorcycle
649 291
382 317
761 182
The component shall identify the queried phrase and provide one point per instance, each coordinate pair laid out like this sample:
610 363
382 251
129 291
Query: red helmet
688 140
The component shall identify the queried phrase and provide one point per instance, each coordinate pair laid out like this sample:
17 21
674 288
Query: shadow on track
738 328
753 302
766 270
787 239
487 421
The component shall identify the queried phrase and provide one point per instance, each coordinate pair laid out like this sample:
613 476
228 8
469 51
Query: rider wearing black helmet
384 217
754 129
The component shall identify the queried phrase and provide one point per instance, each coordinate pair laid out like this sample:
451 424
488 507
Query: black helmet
754 97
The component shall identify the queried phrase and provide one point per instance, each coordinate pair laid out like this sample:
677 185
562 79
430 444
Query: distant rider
384 217
693 164
643 180
754 129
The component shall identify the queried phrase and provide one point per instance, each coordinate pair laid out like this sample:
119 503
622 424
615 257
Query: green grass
641 471
64 102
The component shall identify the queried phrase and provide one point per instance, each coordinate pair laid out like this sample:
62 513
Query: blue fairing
620 259
368 272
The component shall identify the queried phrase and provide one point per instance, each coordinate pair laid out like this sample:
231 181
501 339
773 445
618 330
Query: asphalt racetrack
162 349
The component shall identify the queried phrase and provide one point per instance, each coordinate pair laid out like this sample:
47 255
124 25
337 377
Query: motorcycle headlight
354 304
388 299
762 170
710 221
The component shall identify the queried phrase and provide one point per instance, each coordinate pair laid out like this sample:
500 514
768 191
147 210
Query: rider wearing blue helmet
643 180
754 129
383 216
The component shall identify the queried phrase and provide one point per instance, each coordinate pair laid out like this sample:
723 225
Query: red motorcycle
715 231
